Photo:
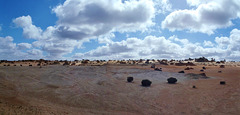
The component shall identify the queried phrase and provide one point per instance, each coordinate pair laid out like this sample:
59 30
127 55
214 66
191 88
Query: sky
119 29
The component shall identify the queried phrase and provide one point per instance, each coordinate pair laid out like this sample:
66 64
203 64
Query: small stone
181 72
222 82
129 79
194 86
172 80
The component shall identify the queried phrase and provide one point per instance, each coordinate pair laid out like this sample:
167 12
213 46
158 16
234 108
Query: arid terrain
103 89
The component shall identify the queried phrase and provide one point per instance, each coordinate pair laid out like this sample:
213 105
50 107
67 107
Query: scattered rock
201 70
129 79
194 87
219 71
153 66
157 69
222 66
146 83
222 82
181 72
172 80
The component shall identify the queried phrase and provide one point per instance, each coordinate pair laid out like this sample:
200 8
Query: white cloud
172 48
209 16
12 51
35 53
23 46
208 43
81 19
29 30
162 6
7 45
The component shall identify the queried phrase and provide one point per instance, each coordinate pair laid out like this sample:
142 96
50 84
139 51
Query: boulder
181 72
172 80
203 67
157 69
222 82
194 86
222 66
129 79
146 83
153 66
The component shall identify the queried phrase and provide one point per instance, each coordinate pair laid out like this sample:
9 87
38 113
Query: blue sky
117 29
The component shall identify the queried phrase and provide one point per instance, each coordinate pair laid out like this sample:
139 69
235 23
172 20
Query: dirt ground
56 90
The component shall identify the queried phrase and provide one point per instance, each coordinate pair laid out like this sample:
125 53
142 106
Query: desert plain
30 88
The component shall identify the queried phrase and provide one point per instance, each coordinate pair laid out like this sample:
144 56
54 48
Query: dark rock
172 80
129 79
219 71
203 67
201 70
222 82
181 72
30 65
194 86
146 83
157 69
222 66
153 66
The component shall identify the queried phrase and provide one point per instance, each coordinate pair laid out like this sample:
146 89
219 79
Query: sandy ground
90 90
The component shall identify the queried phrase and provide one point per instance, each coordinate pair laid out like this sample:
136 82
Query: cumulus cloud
7 43
82 20
29 30
134 48
208 43
162 6
169 48
23 46
79 19
12 51
206 18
